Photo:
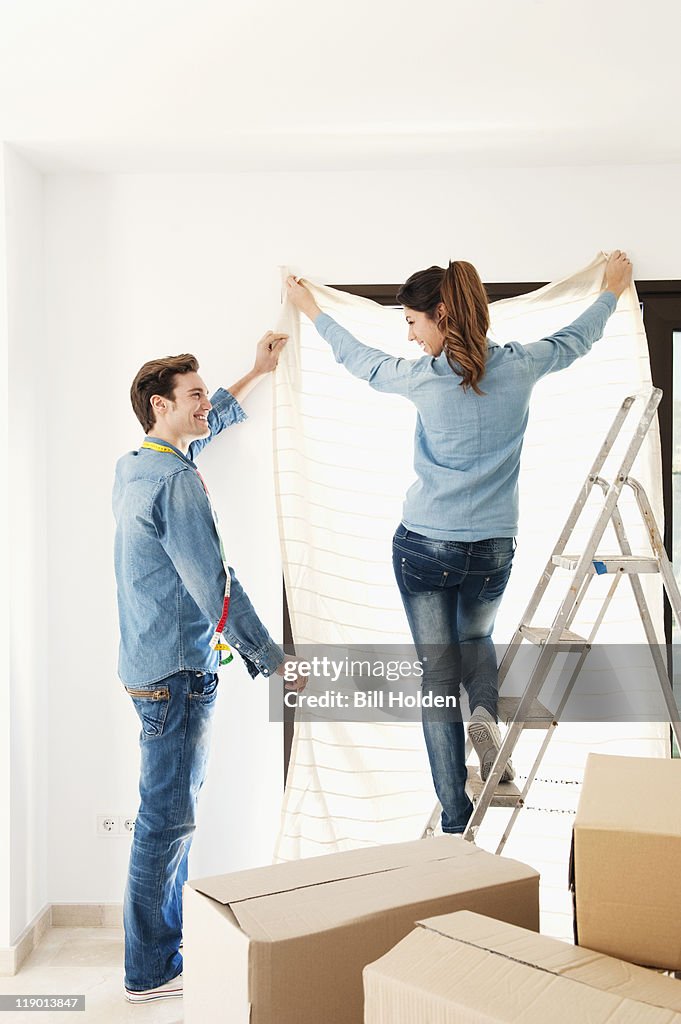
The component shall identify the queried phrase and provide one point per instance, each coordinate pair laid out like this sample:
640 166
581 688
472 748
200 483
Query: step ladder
524 712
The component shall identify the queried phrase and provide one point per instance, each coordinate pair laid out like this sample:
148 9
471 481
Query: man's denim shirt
466 446
170 576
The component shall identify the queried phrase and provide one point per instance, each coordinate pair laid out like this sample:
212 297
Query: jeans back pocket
494 585
421 575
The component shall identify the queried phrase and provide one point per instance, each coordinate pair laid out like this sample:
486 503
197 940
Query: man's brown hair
157 377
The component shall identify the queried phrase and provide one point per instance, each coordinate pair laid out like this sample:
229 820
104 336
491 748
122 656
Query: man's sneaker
484 734
171 988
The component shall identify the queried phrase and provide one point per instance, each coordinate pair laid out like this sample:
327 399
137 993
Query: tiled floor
89 961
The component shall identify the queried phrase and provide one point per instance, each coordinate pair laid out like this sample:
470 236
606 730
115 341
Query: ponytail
465 320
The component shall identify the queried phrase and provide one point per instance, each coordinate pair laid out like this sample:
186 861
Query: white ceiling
207 85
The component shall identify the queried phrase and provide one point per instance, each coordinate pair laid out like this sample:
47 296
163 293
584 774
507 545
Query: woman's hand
618 273
301 297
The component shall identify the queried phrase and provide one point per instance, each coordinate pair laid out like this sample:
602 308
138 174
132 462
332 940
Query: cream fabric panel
343 456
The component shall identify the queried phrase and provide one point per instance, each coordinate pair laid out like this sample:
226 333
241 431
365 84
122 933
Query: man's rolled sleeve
226 412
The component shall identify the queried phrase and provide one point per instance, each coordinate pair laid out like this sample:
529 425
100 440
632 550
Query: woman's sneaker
484 734
171 988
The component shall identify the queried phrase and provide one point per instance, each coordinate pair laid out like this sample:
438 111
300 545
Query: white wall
4 583
29 618
138 266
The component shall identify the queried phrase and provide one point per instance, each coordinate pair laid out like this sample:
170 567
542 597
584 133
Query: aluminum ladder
526 711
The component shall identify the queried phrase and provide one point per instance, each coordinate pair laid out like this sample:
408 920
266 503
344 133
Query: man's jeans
451 591
176 716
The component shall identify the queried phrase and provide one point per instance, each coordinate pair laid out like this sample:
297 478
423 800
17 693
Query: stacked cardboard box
286 944
463 968
626 859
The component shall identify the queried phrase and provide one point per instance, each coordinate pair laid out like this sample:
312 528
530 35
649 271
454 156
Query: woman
453 550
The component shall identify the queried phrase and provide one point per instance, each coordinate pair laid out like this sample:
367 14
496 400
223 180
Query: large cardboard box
625 868
466 969
286 944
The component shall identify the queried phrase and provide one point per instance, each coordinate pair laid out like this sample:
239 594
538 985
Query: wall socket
107 825
115 824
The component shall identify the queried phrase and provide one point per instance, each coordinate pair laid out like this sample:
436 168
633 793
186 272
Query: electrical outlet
106 825
127 824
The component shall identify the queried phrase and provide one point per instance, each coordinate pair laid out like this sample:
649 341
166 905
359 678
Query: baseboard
58 915
87 915
11 959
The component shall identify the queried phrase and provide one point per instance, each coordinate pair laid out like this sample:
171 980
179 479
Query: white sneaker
171 988
484 734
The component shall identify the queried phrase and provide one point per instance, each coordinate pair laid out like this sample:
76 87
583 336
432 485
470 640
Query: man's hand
267 355
618 273
268 350
301 297
291 666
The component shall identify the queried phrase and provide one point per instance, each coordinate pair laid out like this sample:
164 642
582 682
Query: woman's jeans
176 718
451 591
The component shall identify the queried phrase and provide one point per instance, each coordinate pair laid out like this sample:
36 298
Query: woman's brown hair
465 320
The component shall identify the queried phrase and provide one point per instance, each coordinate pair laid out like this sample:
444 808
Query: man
180 607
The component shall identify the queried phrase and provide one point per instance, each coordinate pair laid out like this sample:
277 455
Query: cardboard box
286 944
466 969
625 867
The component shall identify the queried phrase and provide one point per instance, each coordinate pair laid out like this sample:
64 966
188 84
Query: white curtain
343 462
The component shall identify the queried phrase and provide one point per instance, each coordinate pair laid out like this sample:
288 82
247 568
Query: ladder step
506 794
611 563
539 717
539 635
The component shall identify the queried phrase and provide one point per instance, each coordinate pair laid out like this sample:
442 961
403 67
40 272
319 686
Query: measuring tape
217 642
